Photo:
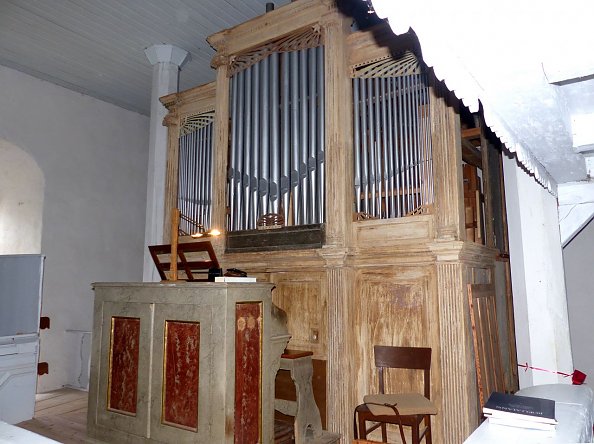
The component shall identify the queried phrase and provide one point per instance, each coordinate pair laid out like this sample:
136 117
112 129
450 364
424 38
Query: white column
538 279
167 60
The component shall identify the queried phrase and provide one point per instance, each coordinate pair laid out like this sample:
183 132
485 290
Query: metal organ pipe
357 144
286 181
364 153
277 146
389 128
296 198
303 139
391 139
312 139
256 146
247 149
384 147
195 177
321 134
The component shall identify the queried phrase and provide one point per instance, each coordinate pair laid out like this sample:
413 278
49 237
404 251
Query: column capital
167 54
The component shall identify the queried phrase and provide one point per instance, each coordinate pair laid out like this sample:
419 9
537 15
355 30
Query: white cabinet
21 279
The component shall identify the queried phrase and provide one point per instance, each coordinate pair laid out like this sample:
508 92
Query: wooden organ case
351 144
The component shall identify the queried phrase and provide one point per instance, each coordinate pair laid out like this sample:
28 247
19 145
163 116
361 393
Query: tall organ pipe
377 147
321 134
274 189
372 142
286 174
233 171
364 156
254 170
303 139
247 148
263 191
357 144
385 147
312 144
390 130
237 216
296 197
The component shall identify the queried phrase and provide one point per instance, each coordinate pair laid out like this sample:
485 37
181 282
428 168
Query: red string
526 366
577 377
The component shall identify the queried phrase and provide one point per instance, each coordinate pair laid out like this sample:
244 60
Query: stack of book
520 411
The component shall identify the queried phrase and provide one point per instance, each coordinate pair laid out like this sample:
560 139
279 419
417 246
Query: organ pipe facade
348 135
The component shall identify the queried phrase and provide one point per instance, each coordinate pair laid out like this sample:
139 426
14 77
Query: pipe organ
319 128
194 195
392 168
276 159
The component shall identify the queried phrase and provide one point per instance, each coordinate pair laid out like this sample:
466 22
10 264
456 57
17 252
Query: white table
573 410
15 435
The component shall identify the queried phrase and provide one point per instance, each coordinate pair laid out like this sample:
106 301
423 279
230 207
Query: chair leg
384 433
428 430
415 433
362 429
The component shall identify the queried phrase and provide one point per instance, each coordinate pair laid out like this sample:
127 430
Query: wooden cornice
466 252
268 27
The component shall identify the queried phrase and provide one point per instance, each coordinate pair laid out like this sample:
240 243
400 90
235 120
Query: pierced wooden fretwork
195 121
408 64
309 37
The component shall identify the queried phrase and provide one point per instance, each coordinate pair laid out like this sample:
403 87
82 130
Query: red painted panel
123 364
181 369
248 372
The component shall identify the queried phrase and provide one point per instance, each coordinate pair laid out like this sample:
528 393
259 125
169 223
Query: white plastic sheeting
500 53
573 411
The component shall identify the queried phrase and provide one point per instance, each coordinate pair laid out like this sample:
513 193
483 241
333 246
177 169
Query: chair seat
406 403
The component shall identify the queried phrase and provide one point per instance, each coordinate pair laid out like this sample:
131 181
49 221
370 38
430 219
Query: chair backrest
417 358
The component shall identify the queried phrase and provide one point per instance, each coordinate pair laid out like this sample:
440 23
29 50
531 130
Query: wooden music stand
191 267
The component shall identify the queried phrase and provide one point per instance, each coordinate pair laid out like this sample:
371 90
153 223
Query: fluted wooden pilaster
220 146
338 151
447 167
171 174
457 370
339 391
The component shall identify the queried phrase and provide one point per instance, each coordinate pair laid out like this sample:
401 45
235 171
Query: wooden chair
401 409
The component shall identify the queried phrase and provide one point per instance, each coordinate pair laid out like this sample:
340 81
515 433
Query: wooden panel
123 365
181 374
286 238
393 310
392 232
302 297
248 372
487 353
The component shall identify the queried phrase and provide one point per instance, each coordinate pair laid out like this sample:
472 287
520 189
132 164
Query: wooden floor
60 415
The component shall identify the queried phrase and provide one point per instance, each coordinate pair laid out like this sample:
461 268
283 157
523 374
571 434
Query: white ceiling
97 47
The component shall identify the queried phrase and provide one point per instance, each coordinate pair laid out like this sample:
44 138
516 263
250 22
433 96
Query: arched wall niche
21 201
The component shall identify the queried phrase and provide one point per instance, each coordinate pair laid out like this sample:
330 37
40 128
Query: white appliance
21 280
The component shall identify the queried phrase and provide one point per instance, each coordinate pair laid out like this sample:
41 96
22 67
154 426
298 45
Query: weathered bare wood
490 378
395 281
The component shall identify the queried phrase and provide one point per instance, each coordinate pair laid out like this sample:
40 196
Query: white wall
579 280
538 284
93 156
21 201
